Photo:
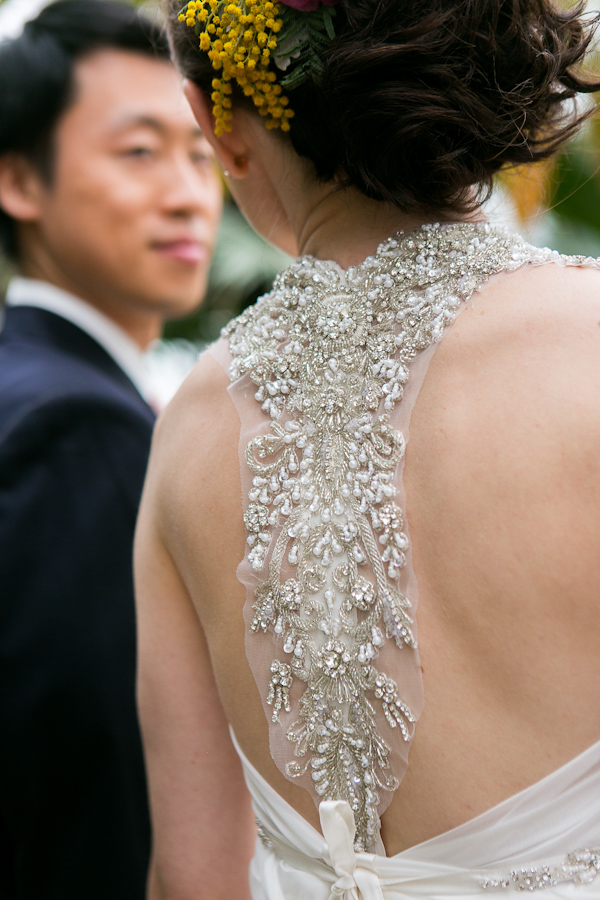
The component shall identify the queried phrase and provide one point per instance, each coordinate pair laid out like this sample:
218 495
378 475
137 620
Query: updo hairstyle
421 101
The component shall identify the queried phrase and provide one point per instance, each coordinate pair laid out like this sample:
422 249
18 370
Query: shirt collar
110 336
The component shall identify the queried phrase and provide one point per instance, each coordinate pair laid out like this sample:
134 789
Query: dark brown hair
422 100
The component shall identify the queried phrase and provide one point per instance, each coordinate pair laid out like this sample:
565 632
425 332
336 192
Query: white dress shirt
117 343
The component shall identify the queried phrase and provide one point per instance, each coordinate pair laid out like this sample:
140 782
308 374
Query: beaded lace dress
325 371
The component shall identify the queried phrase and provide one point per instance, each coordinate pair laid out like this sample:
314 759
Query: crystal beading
329 354
580 867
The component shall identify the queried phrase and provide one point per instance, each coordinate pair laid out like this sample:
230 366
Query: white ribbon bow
356 881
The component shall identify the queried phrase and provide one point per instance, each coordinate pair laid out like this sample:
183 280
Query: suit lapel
51 330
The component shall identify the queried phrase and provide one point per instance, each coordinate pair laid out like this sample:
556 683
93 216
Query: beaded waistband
580 867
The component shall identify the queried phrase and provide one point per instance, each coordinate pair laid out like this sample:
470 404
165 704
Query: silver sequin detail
580 867
329 353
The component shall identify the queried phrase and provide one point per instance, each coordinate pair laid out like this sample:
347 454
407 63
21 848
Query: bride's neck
289 205
347 227
343 225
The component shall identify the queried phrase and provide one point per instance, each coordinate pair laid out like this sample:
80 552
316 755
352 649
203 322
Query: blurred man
109 203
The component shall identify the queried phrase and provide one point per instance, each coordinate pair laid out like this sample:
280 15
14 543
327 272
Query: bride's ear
230 148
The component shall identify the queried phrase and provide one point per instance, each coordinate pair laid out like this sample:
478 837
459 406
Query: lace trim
329 353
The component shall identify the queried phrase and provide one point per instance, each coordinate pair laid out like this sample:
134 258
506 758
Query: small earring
226 173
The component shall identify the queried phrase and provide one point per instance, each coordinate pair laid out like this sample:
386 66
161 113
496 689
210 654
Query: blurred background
555 204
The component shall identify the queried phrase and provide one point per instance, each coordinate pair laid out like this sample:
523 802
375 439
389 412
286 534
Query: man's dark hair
37 76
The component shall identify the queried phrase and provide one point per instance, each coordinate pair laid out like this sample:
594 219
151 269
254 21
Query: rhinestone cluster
329 353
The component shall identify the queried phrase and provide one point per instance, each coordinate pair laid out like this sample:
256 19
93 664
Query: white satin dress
525 835
325 372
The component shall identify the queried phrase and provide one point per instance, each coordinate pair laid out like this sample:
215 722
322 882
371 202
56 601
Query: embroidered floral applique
329 353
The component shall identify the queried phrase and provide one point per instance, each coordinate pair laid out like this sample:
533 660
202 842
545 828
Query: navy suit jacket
74 443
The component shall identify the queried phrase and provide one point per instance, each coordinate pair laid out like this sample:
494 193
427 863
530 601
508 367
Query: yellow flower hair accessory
243 37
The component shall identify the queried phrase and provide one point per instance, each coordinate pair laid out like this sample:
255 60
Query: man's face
129 219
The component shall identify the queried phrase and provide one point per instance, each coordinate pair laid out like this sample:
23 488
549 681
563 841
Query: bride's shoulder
530 319
196 436
565 286
517 377
200 398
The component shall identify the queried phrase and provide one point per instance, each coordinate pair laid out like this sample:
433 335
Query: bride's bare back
391 126
502 479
